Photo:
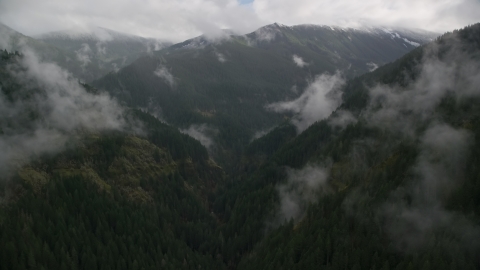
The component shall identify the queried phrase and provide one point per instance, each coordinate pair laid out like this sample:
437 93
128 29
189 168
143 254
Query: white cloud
437 172
163 73
83 54
180 20
299 61
372 66
318 101
101 49
342 118
165 19
303 186
62 109
416 208
426 14
201 133
221 58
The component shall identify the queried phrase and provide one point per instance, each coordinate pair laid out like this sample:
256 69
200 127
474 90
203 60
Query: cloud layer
317 102
299 61
437 172
163 73
303 187
180 20
416 210
47 110
202 133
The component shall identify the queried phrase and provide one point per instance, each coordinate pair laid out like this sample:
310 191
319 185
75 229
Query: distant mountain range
102 48
87 53
226 82
355 50
383 175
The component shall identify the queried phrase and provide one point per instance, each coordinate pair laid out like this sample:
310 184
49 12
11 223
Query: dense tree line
157 200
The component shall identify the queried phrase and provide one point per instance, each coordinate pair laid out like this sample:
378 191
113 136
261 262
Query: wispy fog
203 133
303 186
299 61
317 102
48 110
164 74
415 210
438 170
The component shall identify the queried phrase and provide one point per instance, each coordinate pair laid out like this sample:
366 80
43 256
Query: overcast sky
177 20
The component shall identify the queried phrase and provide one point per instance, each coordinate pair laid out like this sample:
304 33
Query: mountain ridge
238 76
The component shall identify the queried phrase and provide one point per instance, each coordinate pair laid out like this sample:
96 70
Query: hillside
77 172
101 50
395 185
11 40
224 84
87 54
385 177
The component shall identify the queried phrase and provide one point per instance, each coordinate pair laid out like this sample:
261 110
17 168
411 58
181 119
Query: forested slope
225 84
85 195
395 187
388 181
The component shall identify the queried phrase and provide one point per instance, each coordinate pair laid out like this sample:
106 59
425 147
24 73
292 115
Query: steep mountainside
87 184
101 49
394 185
388 179
225 84
88 55
11 40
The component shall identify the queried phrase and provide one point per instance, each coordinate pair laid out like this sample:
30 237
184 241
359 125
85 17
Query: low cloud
178 20
48 110
403 109
415 212
221 58
101 48
164 74
83 54
261 133
265 34
302 188
154 46
438 170
371 66
317 102
115 67
153 109
101 34
299 61
202 133
5 38
342 118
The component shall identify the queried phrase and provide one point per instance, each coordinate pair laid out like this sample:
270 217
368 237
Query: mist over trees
262 151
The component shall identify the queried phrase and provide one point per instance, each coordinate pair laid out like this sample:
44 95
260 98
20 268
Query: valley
289 147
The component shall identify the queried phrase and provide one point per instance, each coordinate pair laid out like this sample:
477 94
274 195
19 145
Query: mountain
387 179
225 83
68 148
11 40
101 49
87 54
355 51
